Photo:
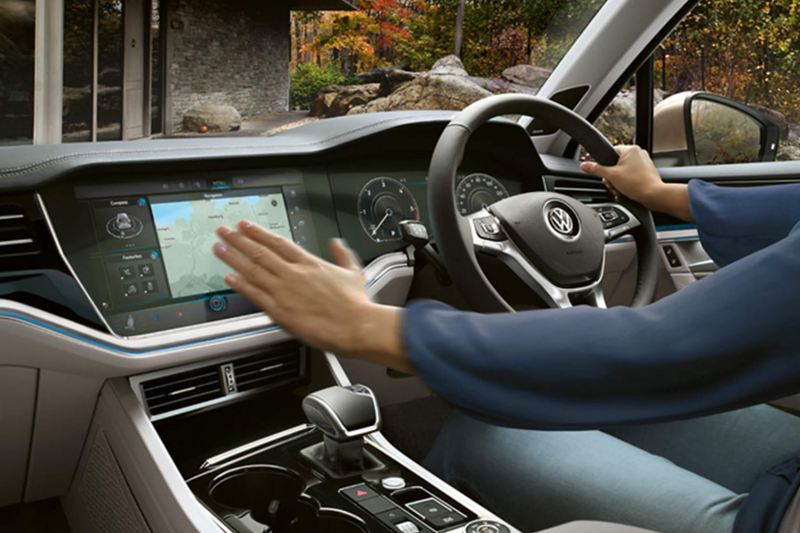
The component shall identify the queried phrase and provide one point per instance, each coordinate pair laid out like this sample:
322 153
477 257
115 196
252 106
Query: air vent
583 190
181 390
186 389
16 233
266 370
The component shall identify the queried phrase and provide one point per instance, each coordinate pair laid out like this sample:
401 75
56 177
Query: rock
216 117
449 66
776 117
388 78
618 121
498 86
788 152
428 91
337 100
789 146
527 75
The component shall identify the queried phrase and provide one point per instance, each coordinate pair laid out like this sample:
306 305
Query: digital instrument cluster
384 202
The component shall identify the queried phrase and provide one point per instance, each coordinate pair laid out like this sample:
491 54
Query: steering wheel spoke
489 238
617 220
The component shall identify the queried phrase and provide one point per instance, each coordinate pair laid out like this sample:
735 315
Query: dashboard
141 247
135 234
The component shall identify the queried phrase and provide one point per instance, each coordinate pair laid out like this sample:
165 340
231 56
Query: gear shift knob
343 415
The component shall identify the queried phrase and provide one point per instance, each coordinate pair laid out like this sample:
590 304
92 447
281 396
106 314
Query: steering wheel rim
455 234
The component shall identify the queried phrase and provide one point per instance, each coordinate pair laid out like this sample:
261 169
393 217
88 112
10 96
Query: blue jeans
683 477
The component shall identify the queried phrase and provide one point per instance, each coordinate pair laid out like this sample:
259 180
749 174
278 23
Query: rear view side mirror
693 128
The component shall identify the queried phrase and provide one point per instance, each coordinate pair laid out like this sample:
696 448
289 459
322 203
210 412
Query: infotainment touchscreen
146 260
185 226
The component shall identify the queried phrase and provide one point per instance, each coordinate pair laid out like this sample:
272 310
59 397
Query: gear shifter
343 415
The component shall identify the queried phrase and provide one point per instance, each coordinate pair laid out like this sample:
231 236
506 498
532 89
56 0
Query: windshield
158 69
428 54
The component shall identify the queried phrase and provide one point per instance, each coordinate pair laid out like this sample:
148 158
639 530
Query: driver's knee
538 479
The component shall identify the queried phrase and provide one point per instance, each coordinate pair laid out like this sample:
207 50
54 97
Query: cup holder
274 497
311 518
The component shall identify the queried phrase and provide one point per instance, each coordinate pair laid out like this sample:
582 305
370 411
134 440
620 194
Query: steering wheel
552 242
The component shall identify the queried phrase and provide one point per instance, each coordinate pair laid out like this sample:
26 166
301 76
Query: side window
729 79
726 87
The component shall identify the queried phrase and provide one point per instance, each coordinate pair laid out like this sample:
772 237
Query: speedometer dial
382 204
477 191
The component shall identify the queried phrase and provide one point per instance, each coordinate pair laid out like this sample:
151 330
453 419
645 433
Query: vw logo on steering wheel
562 221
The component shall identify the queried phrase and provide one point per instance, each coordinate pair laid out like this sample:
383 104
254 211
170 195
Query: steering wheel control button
488 229
217 304
393 483
611 216
486 526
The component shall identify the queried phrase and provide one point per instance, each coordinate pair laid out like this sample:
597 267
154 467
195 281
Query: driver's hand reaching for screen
325 304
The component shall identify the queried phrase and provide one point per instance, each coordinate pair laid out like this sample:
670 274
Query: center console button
393 483
377 505
217 303
399 521
486 526
428 508
446 519
359 493
407 527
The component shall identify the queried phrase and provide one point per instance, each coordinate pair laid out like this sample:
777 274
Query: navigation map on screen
186 228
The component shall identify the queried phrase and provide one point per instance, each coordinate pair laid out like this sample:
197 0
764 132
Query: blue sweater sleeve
736 221
725 342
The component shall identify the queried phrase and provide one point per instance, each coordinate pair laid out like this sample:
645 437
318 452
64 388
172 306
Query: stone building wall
227 52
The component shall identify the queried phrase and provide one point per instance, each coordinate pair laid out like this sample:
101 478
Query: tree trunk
459 33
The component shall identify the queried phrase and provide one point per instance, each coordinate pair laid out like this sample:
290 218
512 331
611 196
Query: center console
329 476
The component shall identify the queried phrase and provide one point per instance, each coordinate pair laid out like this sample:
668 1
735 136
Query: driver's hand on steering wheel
323 304
636 177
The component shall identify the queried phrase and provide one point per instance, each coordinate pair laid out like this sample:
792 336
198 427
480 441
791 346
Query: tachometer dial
382 204
477 191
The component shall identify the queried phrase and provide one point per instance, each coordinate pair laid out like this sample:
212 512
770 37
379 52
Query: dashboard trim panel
179 339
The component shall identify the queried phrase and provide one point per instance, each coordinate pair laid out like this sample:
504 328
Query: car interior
133 399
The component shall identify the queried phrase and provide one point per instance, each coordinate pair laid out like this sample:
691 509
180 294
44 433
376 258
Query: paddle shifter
343 415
